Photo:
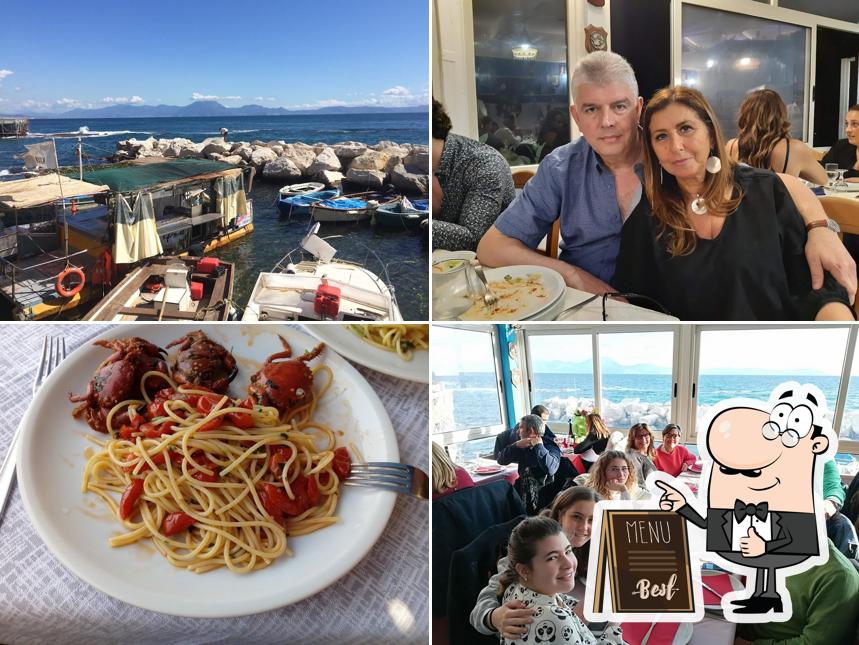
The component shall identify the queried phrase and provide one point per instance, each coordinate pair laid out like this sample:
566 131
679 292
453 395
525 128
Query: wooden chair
520 178
845 211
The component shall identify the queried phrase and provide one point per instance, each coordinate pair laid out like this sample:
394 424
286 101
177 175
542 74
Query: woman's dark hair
670 427
638 430
564 500
441 124
853 108
522 546
762 123
540 410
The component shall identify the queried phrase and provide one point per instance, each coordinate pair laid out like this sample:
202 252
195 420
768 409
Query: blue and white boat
300 204
402 214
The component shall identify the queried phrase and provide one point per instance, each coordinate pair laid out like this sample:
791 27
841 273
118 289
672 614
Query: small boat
170 288
301 189
300 204
342 209
402 214
320 288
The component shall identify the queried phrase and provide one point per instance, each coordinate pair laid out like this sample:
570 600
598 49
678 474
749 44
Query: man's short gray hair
603 68
532 422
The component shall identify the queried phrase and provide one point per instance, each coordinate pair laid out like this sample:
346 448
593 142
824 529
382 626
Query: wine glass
832 173
840 183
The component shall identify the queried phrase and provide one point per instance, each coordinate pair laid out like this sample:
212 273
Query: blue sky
286 53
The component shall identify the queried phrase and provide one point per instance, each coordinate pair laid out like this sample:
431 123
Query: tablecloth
383 600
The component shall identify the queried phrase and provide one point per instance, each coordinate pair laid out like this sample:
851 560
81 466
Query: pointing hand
671 499
753 545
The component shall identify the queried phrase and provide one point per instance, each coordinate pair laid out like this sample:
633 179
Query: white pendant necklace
698 205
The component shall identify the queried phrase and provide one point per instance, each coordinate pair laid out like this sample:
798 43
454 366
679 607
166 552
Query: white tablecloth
614 310
383 600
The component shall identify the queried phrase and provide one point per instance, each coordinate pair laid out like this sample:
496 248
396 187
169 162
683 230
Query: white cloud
5 72
264 98
2 100
196 96
68 102
18 88
398 90
30 103
121 100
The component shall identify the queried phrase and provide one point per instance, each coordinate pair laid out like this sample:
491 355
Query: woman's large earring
714 164
660 174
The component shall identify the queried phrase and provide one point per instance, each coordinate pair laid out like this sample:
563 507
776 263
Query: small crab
202 361
118 379
285 385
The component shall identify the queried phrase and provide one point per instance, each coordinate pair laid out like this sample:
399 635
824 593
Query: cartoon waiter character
761 494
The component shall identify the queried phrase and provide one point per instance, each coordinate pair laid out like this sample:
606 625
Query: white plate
76 526
531 308
345 341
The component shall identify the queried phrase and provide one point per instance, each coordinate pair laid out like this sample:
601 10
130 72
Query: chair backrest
521 177
471 568
460 517
844 211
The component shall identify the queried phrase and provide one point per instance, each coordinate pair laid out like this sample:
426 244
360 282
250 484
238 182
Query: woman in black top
594 444
713 240
846 151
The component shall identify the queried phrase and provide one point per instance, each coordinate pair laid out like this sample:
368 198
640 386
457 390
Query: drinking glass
841 184
832 173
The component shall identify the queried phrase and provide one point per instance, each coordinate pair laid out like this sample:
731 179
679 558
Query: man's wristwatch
831 224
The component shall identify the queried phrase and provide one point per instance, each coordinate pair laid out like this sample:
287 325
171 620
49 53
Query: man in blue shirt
593 183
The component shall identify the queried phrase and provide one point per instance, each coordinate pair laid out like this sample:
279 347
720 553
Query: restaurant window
636 370
466 400
727 55
849 430
520 62
751 363
562 373
847 11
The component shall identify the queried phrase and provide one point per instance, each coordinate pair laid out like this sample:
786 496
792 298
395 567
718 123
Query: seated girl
613 477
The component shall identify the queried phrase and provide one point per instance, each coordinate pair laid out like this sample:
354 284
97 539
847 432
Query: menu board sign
643 558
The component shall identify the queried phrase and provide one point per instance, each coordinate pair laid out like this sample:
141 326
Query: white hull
290 296
335 215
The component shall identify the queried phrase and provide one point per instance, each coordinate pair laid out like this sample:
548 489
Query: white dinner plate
350 345
526 307
76 526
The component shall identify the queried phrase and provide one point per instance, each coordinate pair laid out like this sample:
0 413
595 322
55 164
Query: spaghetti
402 339
215 482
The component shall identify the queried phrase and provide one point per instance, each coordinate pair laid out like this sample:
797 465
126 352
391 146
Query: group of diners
653 201
548 552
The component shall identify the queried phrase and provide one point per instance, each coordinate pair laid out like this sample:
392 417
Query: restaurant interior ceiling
501 27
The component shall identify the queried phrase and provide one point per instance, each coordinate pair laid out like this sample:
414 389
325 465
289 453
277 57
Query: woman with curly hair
764 139
613 477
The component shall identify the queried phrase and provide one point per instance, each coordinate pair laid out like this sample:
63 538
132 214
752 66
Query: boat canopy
45 189
136 177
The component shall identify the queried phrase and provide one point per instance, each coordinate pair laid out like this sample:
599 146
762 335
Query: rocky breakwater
403 165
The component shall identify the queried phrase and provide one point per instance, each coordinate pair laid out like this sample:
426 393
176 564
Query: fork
489 298
397 478
53 351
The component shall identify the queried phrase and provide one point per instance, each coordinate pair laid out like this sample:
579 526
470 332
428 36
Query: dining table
384 599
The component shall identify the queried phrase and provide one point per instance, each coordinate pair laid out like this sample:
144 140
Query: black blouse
844 154
755 269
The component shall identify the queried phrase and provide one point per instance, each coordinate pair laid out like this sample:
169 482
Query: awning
45 189
136 177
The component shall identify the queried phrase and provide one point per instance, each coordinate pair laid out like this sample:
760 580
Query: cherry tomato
241 419
125 432
313 494
279 455
342 463
176 523
204 461
155 409
129 498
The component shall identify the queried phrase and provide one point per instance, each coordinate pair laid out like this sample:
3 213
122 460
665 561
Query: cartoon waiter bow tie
742 510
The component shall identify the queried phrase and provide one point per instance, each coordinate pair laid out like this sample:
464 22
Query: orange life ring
65 273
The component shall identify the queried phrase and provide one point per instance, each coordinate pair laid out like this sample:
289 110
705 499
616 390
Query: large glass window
750 363
726 55
520 60
850 418
465 393
562 373
636 378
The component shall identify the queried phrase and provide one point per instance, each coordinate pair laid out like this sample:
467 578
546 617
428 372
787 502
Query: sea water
400 252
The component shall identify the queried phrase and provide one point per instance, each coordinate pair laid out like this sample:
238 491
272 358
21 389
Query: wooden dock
14 127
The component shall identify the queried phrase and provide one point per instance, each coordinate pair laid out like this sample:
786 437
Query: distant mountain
213 108
609 366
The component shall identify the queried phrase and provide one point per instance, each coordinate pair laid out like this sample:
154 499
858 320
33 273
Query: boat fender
290 268
72 291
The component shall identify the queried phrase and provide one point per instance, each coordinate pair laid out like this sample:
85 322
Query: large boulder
301 155
261 156
236 160
276 149
418 161
216 146
325 160
408 182
280 169
244 151
396 150
370 160
368 178
172 151
349 149
191 151
329 177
